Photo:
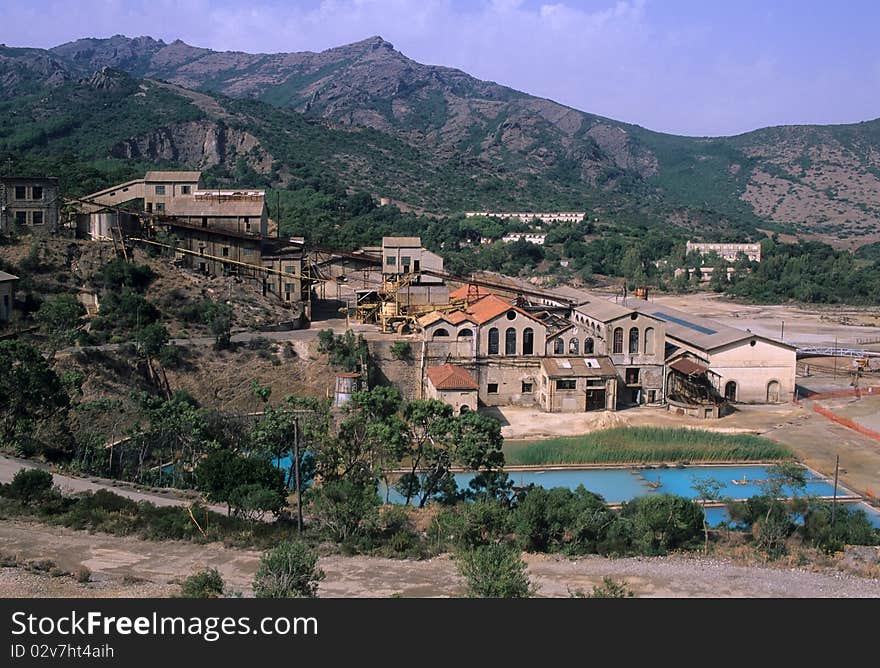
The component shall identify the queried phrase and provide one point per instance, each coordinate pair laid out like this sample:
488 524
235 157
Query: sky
693 67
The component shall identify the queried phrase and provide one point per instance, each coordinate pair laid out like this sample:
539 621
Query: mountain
439 139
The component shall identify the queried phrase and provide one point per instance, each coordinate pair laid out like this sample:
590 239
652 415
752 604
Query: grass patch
646 445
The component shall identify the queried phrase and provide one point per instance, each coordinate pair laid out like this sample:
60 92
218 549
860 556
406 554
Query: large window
37 192
510 341
37 217
441 333
20 192
160 190
589 346
617 346
566 384
649 341
390 261
634 341
21 217
559 346
527 387
528 341
574 347
493 341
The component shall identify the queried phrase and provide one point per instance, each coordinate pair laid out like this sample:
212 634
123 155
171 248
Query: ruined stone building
29 203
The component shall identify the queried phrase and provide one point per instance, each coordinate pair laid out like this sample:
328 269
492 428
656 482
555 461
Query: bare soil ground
130 567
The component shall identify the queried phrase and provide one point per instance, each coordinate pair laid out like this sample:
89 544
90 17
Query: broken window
634 341
20 192
493 341
528 341
559 346
37 192
21 217
391 261
566 384
510 341
225 251
617 348
526 388
185 190
160 190
37 218
492 388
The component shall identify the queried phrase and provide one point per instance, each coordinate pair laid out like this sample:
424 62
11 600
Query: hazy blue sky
699 67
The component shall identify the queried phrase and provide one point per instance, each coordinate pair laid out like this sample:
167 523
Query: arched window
773 392
573 347
634 341
465 333
510 341
649 341
440 332
528 341
617 347
559 346
588 346
493 341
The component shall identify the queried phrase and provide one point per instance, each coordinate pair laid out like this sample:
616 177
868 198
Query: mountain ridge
813 180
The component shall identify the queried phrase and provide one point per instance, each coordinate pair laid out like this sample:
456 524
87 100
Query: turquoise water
716 516
619 485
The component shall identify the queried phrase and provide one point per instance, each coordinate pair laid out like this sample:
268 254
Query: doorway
773 392
730 391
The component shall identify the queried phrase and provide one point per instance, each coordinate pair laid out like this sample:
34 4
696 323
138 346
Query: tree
218 317
346 509
707 489
245 484
31 395
494 571
288 571
30 486
152 339
59 318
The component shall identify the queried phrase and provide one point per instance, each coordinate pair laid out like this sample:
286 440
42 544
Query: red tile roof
455 317
450 377
469 293
490 307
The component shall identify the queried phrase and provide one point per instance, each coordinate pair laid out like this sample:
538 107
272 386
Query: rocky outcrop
200 144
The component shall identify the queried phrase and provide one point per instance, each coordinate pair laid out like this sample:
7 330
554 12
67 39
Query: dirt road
130 567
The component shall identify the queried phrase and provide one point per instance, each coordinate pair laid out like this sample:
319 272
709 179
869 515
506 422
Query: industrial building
7 294
28 203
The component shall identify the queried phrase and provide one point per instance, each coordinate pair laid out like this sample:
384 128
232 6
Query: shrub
288 571
549 520
401 350
83 574
30 486
494 571
346 509
608 589
207 583
663 523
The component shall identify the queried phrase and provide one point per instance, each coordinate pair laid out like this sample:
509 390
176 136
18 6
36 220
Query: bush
851 527
288 571
83 574
663 523
494 571
30 486
401 350
608 589
552 520
207 583
345 509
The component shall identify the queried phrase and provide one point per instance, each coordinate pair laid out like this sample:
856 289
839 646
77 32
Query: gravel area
130 567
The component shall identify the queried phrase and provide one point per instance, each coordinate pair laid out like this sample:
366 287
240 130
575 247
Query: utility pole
782 334
299 512
834 498
835 357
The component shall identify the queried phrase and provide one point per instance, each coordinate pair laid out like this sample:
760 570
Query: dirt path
9 466
130 567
